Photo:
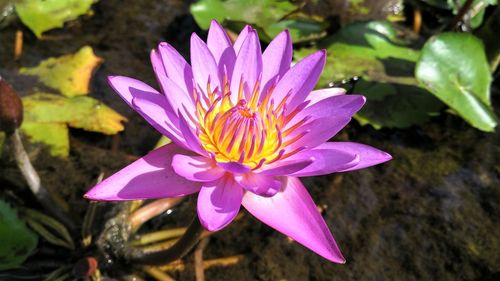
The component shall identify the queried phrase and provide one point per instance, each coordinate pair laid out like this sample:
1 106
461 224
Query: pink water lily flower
244 125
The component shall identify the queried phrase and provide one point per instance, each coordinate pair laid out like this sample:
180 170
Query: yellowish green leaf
162 141
69 74
54 135
44 15
47 116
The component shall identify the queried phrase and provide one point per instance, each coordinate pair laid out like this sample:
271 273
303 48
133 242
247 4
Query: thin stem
151 210
199 270
461 13
178 250
33 179
156 236
180 265
157 274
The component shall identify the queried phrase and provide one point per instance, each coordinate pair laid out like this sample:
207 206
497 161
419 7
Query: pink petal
326 160
321 94
218 203
316 132
156 114
154 108
178 99
293 213
128 88
196 168
204 65
284 167
368 156
248 66
234 167
300 80
221 48
149 177
192 140
276 59
343 106
241 38
176 67
157 63
259 184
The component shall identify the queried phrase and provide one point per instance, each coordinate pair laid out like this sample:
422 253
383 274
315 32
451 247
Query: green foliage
268 15
454 68
18 242
43 15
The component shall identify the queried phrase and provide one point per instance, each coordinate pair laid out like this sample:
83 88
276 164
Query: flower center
249 132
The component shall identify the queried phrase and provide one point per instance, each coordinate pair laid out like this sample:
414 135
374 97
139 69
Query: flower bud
11 108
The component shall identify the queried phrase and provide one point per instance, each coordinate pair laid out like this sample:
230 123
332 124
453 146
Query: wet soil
429 214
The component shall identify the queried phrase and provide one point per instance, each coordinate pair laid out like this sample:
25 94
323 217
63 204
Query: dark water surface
432 213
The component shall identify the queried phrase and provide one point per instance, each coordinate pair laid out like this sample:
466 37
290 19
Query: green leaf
454 68
43 15
395 105
47 116
69 74
270 16
18 242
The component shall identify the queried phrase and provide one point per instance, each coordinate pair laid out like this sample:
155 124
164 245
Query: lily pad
453 67
48 116
373 50
270 16
377 52
395 105
44 15
18 242
69 74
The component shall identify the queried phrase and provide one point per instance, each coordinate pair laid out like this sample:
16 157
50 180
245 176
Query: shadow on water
430 214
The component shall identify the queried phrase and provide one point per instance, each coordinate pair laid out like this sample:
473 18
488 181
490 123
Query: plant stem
461 13
156 236
33 180
199 270
178 250
151 210
157 274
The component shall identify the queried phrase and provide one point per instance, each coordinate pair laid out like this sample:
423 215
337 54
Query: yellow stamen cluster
249 132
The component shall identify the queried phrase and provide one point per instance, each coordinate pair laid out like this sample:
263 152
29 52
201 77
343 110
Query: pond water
429 214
